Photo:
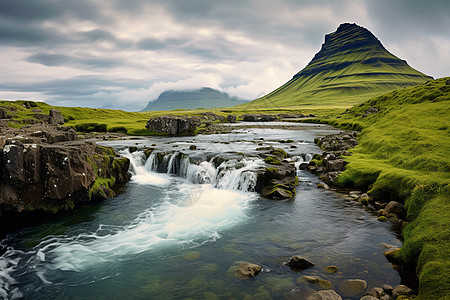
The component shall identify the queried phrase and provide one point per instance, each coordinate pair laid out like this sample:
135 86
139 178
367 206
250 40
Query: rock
352 287
325 295
247 270
325 284
173 125
55 117
338 142
277 181
323 185
231 119
391 255
394 207
193 147
45 168
368 297
303 166
331 269
364 199
298 263
132 149
36 110
330 177
375 292
334 165
259 118
447 82
401 290
387 289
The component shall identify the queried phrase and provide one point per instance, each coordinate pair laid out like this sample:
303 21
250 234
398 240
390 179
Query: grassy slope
404 155
134 122
192 99
351 67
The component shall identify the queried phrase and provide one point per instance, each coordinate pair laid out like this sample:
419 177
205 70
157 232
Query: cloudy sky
122 53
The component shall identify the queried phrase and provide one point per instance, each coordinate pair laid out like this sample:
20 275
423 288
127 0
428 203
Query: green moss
382 219
404 155
101 188
272 160
279 153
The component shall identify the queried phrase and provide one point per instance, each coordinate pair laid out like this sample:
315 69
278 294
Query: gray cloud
114 52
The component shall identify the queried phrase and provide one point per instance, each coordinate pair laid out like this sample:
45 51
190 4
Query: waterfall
232 174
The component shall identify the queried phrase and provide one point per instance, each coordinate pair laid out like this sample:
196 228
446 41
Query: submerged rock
325 295
325 284
352 287
247 270
298 263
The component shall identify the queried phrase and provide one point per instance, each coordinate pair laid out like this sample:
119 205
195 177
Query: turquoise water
178 236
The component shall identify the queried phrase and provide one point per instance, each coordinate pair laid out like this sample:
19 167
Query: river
186 218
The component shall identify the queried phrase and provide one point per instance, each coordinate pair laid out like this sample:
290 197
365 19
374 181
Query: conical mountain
352 66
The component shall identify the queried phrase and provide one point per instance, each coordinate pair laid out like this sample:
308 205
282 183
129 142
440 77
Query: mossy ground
133 123
404 155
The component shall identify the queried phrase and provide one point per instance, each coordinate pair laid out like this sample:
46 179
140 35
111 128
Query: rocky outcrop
46 168
173 125
259 118
279 179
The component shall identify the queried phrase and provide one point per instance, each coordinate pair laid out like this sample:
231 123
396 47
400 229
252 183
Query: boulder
277 181
368 297
55 117
330 177
259 118
376 293
387 289
325 295
394 207
400 290
331 269
298 263
352 287
334 165
325 284
247 270
173 125
231 118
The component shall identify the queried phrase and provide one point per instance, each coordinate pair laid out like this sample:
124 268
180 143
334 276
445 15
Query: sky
120 54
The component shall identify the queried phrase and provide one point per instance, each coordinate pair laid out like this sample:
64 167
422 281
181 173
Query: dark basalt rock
298 263
279 180
173 125
259 118
45 168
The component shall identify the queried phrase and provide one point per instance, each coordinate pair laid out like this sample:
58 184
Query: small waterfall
232 174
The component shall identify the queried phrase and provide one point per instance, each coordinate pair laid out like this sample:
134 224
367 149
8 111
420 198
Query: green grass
404 155
344 72
133 123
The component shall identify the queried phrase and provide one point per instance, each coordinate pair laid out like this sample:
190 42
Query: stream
188 216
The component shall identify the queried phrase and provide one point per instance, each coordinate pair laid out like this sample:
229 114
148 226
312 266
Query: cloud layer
121 54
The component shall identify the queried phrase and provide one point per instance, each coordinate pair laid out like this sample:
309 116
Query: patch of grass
404 155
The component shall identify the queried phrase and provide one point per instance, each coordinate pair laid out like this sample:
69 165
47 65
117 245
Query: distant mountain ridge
192 99
352 66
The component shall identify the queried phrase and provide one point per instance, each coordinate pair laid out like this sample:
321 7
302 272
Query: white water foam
191 214
141 170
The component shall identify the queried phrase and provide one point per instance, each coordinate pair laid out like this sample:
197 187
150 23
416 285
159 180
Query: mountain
352 66
192 99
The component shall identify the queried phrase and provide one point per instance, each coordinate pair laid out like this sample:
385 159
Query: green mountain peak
352 66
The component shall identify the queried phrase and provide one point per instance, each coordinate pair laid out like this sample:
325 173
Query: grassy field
351 67
404 155
133 123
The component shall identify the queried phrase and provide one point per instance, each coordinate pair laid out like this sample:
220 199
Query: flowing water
187 217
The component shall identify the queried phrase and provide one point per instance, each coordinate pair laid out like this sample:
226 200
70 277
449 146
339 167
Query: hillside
192 99
352 66
404 155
